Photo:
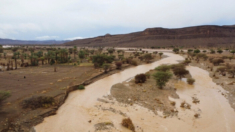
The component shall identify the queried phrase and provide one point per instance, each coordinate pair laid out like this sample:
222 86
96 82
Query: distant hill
16 42
207 35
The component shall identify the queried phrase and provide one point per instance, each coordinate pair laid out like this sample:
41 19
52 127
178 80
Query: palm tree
18 54
70 51
81 55
34 60
56 53
63 55
42 59
15 59
22 58
5 55
75 50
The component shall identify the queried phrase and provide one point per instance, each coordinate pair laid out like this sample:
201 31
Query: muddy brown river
80 112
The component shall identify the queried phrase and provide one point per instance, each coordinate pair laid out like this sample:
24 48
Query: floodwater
82 111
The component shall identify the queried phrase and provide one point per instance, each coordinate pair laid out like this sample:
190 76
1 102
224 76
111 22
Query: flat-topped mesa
197 35
224 31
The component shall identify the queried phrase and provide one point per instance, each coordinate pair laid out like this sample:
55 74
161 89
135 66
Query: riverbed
82 111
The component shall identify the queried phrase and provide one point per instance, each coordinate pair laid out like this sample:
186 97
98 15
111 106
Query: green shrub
147 57
220 51
162 78
176 50
163 68
160 54
190 81
196 51
81 87
212 51
190 50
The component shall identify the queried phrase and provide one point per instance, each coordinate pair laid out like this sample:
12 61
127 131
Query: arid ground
110 97
36 81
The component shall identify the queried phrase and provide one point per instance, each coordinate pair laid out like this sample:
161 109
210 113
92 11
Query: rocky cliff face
189 36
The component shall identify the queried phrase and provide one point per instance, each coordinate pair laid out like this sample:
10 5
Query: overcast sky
70 19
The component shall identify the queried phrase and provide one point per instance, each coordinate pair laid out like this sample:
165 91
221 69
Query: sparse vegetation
160 54
38 102
212 51
106 67
134 63
185 105
179 70
195 100
220 51
140 78
190 81
233 52
222 70
128 124
147 57
196 51
217 61
176 50
100 59
163 68
196 115
186 62
105 59
118 64
81 87
3 96
173 103
231 70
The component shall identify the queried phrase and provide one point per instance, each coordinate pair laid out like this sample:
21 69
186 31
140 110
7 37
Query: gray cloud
74 38
24 19
47 37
